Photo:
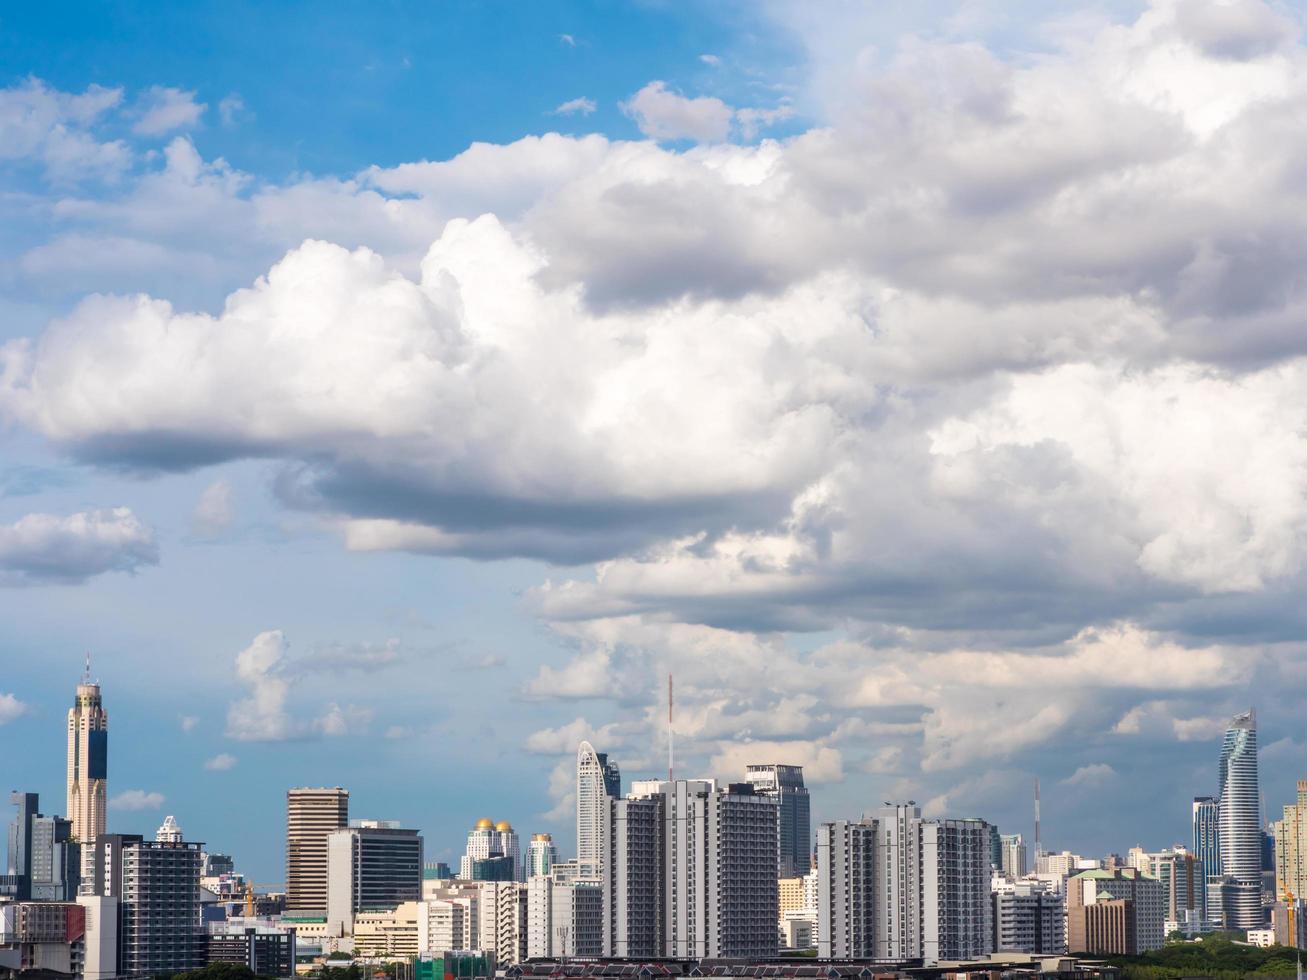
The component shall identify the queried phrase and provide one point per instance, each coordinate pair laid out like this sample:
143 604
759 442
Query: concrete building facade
312 815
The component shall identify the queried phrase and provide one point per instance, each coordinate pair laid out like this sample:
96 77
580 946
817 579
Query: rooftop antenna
671 756
1039 847
86 676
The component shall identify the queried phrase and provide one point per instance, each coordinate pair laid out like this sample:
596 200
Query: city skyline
394 400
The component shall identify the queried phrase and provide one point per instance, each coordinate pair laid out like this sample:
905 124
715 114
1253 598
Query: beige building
1114 913
88 750
1291 846
388 932
312 815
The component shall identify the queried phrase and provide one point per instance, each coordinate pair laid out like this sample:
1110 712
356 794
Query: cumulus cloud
270 675
1094 774
579 106
56 129
663 114
221 762
232 109
164 109
213 512
135 800
49 548
11 708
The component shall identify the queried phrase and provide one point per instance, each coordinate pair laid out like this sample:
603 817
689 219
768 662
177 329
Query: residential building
1012 861
170 832
371 865
1290 834
846 889
483 841
1240 832
157 887
597 782
541 855
392 931
1028 916
312 815
785 785
88 762
100 944
633 876
896 886
1184 891
450 921
564 919
44 859
1114 913
503 920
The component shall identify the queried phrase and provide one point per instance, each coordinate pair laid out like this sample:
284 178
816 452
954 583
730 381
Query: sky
392 395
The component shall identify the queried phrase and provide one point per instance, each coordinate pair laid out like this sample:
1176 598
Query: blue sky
908 378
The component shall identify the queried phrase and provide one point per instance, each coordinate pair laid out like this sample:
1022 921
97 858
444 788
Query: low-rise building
1114 913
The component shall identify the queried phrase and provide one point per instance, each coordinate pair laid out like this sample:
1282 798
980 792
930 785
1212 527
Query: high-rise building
1012 861
541 855
564 919
44 859
510 848
597 782
483 841
1184 891
1291 845
1028 917
157 888
1240 831
785 783
691 871
372 864
896 886
88 761
312 815
846 889
1207 833
1114 913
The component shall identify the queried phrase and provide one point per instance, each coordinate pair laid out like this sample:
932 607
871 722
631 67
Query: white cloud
1092 775
231 109
188 723
11 708
49 548
56 129
663 114
567 39
213 512
265 714
821 763
221 762
165 109
711 60
134 800
578 106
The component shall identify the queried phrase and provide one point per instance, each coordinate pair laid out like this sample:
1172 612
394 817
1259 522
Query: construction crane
249 895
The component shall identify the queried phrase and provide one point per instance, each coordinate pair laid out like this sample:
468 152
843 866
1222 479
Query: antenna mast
1039 848
671 756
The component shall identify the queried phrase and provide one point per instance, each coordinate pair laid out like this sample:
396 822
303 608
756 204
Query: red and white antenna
671 757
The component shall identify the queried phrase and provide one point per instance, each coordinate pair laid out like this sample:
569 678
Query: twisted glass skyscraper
1240 831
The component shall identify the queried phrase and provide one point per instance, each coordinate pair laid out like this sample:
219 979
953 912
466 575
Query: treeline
1215 956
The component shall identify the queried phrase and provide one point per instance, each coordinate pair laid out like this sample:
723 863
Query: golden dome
542 837
485 823
503 826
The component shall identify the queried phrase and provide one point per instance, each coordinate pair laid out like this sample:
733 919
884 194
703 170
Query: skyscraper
846 889
311 816
1012 860
1240 831
88 756
1207 834
372 864
1291 845
43 859
483 842
785 783
169 831
541 855
597 781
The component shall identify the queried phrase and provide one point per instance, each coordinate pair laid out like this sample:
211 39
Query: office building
541 855
1114 913
371 865
846 889
312 815
388 931
88 762
1207 834
157 887
1184 886
1240 824
785 785
1012 860
266 950
564 919
216 865
496 868
1027 916
44 859
597 782
1290 833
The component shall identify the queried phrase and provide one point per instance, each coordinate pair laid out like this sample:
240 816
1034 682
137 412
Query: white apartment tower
88 756
846 889
597 782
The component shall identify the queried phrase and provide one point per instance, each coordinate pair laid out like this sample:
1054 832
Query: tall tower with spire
88 757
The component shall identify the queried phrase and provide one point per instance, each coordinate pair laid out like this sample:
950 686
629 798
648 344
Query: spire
86 675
